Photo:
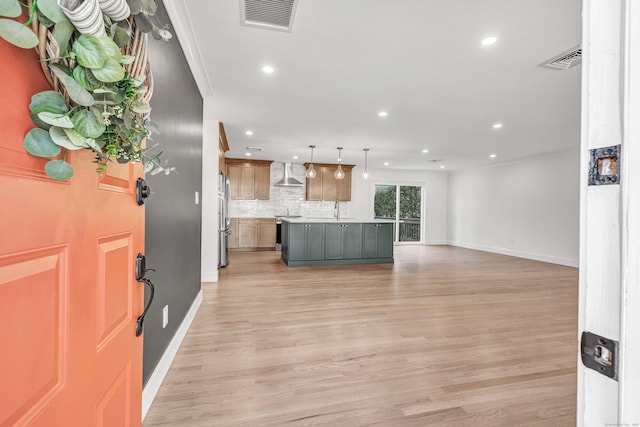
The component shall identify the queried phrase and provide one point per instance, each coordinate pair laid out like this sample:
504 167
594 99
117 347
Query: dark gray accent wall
172 241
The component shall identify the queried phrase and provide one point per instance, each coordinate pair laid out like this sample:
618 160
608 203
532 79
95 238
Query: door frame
610 215
396 222
629 410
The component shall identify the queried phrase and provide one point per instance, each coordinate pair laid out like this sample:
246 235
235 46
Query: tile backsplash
283 198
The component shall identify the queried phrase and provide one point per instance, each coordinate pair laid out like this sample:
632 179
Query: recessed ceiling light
249 133
497 125
295 157
268 69
425 151
493 156
248 154
383 114
489 41
386 163
442 166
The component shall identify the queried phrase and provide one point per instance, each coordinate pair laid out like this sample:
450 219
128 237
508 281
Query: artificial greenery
104 112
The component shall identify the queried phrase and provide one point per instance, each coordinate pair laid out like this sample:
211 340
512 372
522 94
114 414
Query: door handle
141 270
142 191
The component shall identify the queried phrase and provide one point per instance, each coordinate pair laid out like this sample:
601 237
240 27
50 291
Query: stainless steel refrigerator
223 220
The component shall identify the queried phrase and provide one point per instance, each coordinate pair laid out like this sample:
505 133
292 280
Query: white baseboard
155 381
436 242
209 276
520 254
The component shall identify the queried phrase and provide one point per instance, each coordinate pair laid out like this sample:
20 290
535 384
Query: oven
278 233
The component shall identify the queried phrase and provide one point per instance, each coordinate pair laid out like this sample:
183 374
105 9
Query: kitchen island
325 241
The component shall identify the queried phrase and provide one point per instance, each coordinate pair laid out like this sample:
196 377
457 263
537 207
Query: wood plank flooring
444 337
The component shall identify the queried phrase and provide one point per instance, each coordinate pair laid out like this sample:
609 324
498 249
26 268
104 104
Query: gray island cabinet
331 242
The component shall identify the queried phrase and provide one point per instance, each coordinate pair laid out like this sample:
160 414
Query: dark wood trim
223 137
248 162
330 166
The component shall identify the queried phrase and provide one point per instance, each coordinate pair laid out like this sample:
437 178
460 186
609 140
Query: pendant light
339 173
311 172
365 174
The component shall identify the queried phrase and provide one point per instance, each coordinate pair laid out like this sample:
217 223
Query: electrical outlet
197 198
165 316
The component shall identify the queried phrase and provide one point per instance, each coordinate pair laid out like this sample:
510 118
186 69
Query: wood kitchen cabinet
223 147
261 181
343 241
249 179
343 187
336 242
266 233
247 233
325 187
254 234
304 241
233 236
314 186
329 184
377 240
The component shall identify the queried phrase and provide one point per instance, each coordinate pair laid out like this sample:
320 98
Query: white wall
434 208
528 208
209 196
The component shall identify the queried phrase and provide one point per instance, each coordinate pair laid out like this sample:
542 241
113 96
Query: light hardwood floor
444 337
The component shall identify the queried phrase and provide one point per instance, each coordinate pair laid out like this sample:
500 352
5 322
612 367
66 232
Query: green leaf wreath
104 109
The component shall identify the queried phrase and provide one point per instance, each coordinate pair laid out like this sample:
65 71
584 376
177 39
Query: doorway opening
403 205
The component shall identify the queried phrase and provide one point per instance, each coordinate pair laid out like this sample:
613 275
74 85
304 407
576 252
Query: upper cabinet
223 147
249 179
326 187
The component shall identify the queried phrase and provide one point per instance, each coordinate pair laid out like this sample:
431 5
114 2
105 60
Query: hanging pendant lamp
365 174
311 172
339 173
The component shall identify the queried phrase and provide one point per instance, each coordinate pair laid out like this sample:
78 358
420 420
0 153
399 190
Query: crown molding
183 28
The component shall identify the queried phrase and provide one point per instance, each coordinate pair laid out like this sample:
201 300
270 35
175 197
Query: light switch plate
197 197
165 316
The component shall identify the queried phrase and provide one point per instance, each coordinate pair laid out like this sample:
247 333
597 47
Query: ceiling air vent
268 14
565 60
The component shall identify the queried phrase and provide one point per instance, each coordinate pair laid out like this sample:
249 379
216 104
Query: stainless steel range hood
288 180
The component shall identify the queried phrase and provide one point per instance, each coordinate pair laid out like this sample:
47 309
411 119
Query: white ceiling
420 60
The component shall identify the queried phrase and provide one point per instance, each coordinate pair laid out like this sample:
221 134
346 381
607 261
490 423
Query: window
403 205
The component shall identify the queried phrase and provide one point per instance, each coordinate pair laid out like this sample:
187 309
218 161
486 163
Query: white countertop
334 220
252 217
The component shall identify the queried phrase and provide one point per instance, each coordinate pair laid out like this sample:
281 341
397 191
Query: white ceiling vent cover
565 60
268 14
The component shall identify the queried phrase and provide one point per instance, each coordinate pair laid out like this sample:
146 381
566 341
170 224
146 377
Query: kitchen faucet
337 212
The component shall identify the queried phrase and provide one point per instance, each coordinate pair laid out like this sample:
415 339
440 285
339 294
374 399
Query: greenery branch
100 107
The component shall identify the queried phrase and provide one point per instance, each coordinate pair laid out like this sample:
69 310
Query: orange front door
68 296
